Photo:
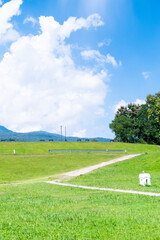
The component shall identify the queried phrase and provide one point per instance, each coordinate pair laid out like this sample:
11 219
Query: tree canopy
138 123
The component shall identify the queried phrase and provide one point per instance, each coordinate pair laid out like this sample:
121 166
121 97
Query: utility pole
65 134
61 133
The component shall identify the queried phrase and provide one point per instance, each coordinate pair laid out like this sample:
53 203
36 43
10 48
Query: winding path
105 189
87 170
91 168
94 167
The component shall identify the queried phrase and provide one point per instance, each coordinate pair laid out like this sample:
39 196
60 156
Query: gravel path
91 168
105 189
103 164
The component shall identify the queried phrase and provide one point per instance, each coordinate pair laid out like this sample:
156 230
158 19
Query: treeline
138 123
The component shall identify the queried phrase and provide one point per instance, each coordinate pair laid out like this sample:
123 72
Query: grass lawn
43 147
44 211
41 211
33 161
29 167
125 175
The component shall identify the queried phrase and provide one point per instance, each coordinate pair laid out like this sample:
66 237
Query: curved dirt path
75 173
89 169
93 167
105 189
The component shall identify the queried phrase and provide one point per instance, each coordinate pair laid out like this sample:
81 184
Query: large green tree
124 123
138 123
153 102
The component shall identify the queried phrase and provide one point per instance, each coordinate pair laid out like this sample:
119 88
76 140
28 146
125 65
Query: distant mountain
41 136
4 130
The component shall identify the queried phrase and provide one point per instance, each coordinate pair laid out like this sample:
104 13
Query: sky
74 63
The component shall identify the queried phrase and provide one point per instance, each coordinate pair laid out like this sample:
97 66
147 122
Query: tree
147 128
153 102
124 124
94 140
138 123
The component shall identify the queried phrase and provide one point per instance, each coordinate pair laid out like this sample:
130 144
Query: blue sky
80 73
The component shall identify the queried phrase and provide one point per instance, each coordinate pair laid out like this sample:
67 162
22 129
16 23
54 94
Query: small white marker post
14 151
144 179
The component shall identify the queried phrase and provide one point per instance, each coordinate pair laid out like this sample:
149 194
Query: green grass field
37 167
125 175
43 211
33 160
43 147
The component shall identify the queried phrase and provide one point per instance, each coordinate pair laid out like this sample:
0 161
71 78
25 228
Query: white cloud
146 75
123 103
73 24
40 85
97 56
7 11
89 54
1 2
111 59
30 19
139 102
106 42
80 133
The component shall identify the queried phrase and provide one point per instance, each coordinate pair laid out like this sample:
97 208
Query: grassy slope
125 175
32 160
44 211
29 167
43 147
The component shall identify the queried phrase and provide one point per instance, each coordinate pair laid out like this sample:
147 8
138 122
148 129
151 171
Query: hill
4 130
33 159
7 135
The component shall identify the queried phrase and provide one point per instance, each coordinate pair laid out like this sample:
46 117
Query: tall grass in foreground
44 211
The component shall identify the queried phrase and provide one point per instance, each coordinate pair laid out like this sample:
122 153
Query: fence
80 150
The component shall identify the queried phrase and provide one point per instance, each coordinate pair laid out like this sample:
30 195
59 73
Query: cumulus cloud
123 103
97 56
7 11
146 75
31 20
40 85
71 25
